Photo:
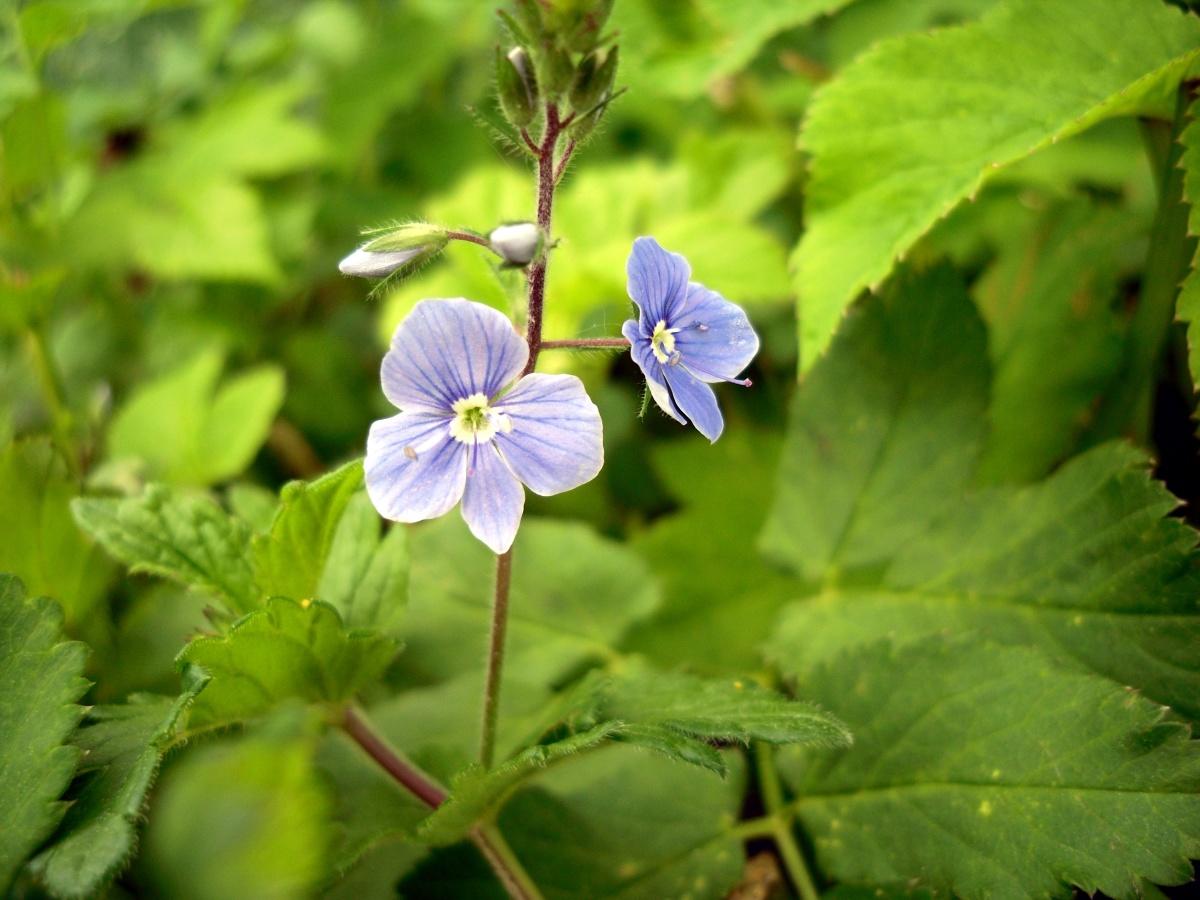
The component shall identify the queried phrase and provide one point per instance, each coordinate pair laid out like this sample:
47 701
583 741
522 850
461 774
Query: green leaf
286 650
916 125
573 596
1187 304
188 431
884 433
39 541
289 559
240 819
122 748
41 680
366 573
984 771
1084 565
186 538
1054 333
476 792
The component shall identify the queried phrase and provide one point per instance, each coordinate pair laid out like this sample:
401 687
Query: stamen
475 422
741 382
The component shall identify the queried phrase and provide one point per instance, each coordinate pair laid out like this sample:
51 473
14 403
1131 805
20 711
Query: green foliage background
958 532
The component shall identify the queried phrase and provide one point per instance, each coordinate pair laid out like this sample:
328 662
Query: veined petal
446 350
715 338
414 469
639 348
556 441
494 500
696 399
657 281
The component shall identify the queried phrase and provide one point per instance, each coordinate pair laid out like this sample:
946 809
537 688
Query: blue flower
460 435
685 337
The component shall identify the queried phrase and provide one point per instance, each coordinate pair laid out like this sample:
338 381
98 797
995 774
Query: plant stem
1129 410
416 782
495 663
54 395
587 344
504 863
780 815
545 209
469 238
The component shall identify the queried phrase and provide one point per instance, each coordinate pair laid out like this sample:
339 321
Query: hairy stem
780 815
504 863
495 662
469 238
545 209
412 779
587 344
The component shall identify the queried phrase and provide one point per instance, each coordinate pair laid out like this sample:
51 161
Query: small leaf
188 431
910 128
186 538
123 747
287 650
475 792
986 771
41 680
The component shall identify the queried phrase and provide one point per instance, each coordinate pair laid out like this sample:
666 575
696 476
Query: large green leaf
186 538
917 125
286 650
188 431
41 678
884 433
985 771
39 541
122 748
573 596
240 819
1085 565
1187 305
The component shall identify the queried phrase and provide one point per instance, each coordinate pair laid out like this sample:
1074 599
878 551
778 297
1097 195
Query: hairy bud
402 250
517 243
517 86
593 80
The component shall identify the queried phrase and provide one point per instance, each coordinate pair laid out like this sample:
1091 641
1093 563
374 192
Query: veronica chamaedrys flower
461 435
685 337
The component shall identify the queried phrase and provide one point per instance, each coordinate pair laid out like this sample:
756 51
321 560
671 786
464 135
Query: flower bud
593 80
400 250
517 86
406 237
517 243
556 71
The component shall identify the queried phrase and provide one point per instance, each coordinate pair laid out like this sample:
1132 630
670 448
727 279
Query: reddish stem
545 207
410 777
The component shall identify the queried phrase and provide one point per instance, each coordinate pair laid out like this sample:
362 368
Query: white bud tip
368 264
516 243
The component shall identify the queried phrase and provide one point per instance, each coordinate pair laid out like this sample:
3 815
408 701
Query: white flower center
662 342
475 422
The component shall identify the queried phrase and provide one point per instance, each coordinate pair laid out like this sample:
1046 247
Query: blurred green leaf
41 679
189 431
122 749
285 650
1187 304
186 538
39 540
907 131
984 771
241 819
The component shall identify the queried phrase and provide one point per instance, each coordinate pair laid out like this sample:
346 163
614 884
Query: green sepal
593 80
516 86
407 237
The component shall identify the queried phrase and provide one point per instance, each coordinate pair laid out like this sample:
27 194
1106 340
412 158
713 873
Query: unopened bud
400 250
406 237
556 71
517 86
518 243
593 80
372 264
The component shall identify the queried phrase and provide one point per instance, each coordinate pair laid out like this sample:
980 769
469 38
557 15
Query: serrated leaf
366 573
476 792
187 431
918 124
122 749
573 596
183 537
884 433
285 650
1187 304
39 541
41 680
240 819
986 771
289 559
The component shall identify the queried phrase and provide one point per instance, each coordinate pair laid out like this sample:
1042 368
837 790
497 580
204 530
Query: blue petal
657 281
557 440
414 469
639 348
697 401
446 350
494 499
726 342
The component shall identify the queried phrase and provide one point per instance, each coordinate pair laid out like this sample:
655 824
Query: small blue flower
685 337
460 435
